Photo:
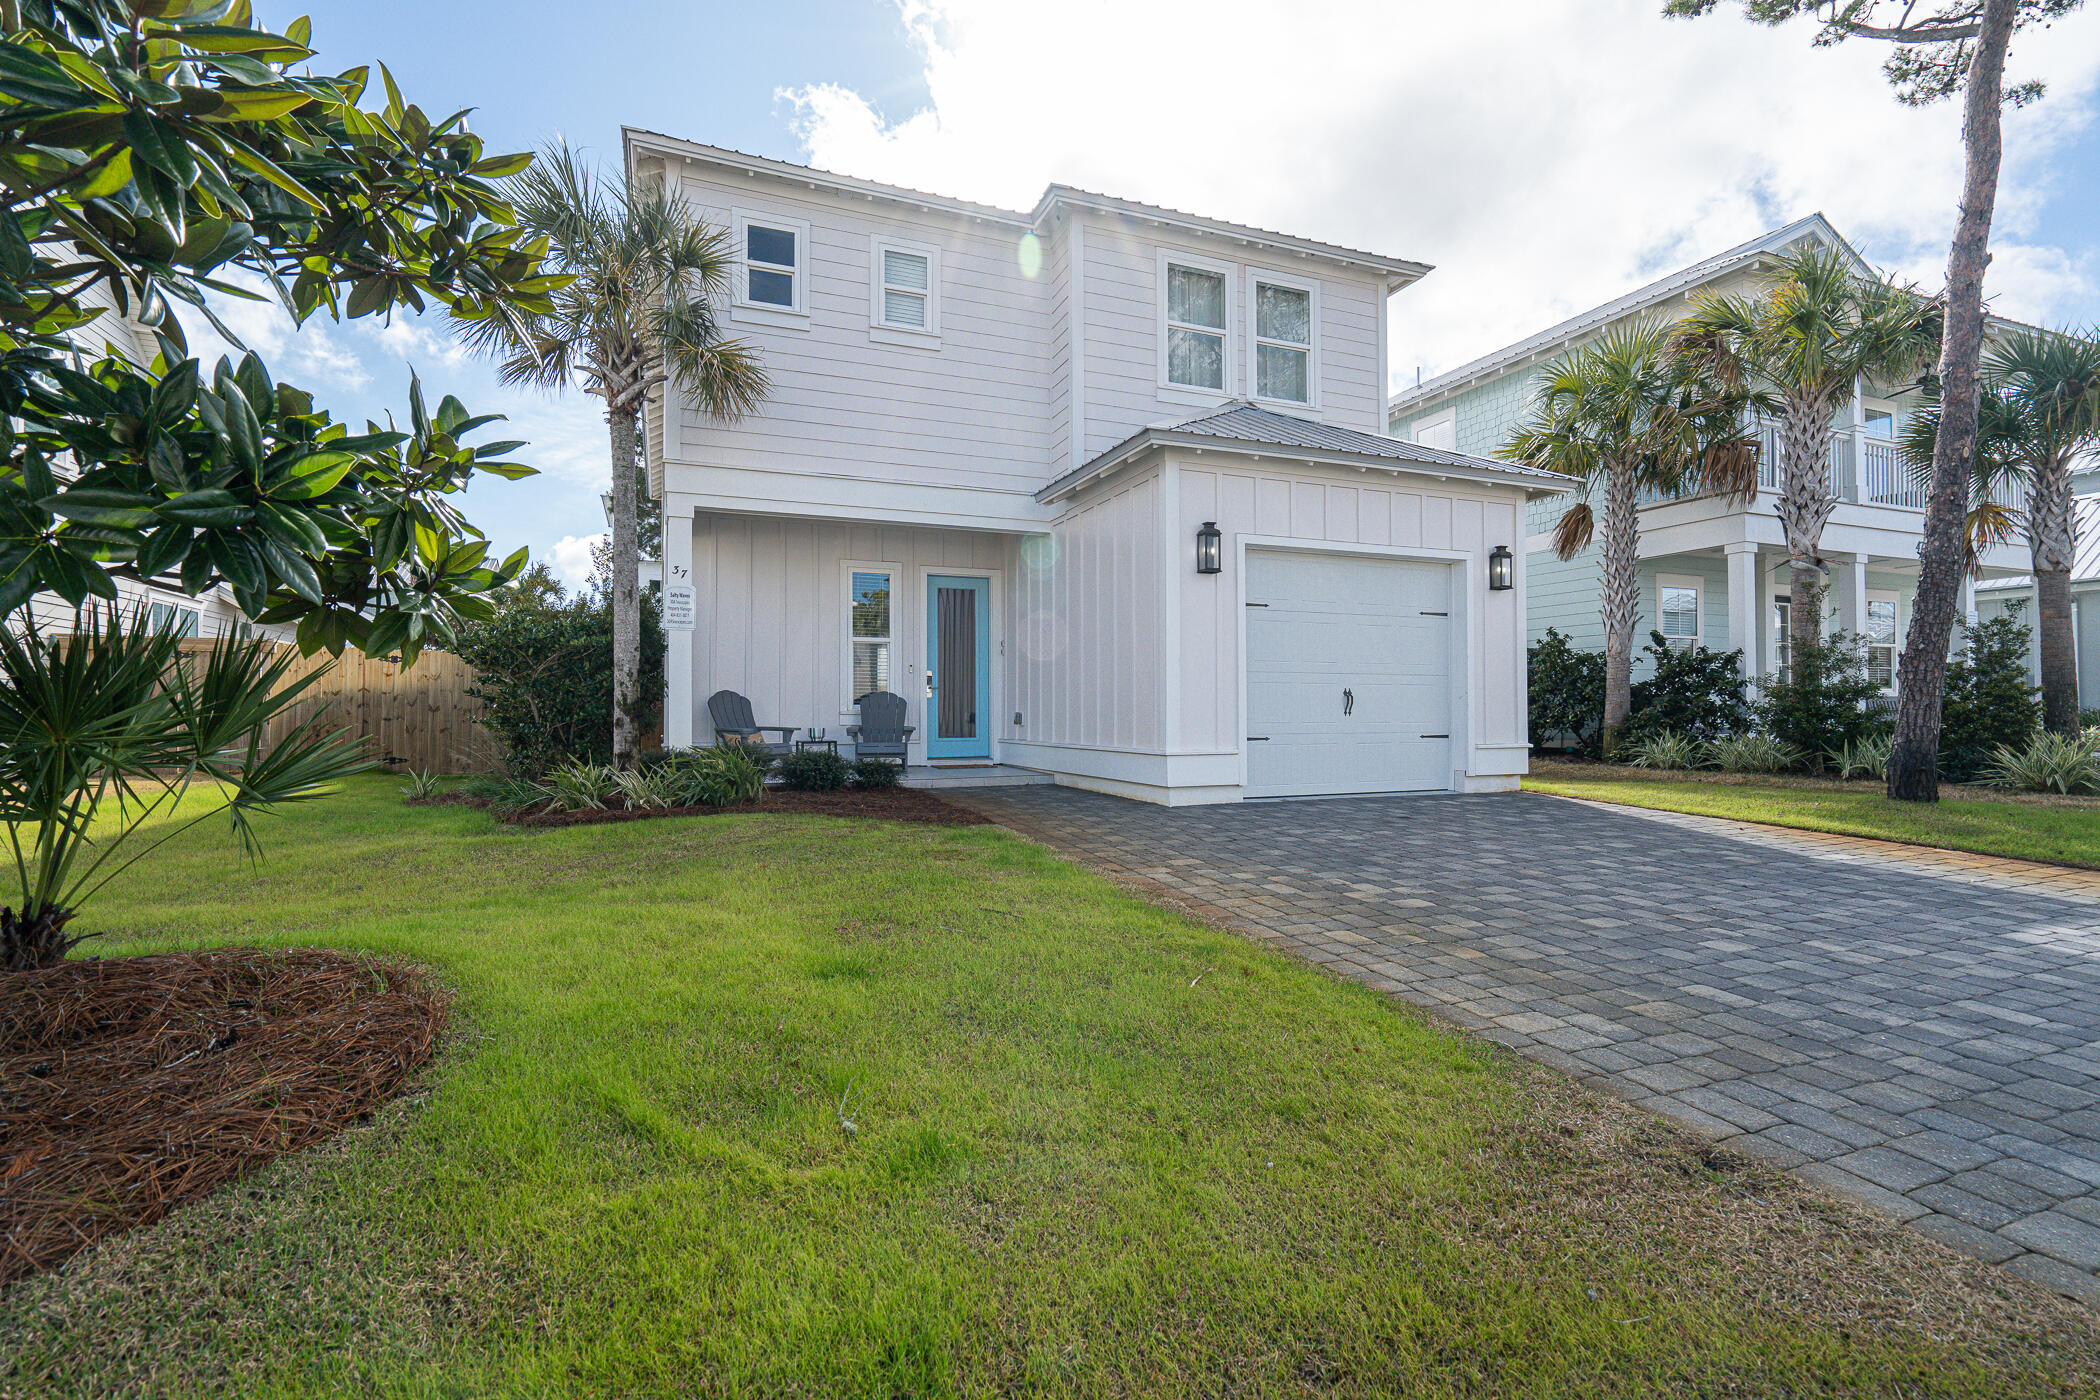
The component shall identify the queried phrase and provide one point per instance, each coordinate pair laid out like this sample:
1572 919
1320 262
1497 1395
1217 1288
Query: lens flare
1030 255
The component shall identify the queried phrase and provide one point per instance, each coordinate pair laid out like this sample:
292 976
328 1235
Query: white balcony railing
1883 479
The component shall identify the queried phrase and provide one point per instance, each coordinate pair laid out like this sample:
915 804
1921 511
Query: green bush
1825 701
1988 704
1696 693
1566 694
724 776
2049 763
576 786
1868 758
876 774
1667 749
812 770
545 676
420 787
1753 753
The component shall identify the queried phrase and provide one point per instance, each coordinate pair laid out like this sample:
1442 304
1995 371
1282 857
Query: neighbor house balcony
1865 469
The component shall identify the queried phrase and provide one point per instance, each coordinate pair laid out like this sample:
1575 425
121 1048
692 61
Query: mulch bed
131 1085
891 804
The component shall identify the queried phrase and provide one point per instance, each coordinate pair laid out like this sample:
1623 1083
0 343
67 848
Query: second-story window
1195 327
904 289
1283 342
772 263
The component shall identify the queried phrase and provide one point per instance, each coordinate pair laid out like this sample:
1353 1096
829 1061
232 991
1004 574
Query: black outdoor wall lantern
1210 549
1502 569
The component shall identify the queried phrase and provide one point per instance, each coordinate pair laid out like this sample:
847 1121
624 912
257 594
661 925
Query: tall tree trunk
2053 536
1922 672
1804 508
626 589
1620 600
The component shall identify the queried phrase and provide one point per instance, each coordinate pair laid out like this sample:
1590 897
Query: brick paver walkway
1915 1029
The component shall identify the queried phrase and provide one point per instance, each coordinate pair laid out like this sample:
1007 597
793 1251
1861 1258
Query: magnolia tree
164 151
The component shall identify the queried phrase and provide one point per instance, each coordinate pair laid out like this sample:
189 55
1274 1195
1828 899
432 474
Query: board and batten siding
771 614
1318 506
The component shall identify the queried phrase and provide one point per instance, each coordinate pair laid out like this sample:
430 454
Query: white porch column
1742 605
1852 594
680 610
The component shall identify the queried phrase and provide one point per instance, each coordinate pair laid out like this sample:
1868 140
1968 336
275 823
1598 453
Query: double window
1284 314
182 620
1196 320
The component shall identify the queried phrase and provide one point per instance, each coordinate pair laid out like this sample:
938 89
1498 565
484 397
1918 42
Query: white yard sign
678 607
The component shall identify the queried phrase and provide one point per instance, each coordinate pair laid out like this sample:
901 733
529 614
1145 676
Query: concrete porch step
973 775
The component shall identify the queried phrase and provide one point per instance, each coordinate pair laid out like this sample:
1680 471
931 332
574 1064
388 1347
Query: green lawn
2067 835
1095 1149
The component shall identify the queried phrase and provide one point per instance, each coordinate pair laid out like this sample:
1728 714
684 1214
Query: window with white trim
1441 431
183 620
1195 322
1881 640
906 290
1284 315
871 620
774 256
1677 612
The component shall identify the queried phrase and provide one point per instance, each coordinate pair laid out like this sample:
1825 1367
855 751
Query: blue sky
1544 157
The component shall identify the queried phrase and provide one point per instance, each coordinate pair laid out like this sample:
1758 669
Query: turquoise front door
958 667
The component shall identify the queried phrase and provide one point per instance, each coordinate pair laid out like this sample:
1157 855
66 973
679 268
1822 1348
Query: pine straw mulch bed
882 804
131 1085
1596 770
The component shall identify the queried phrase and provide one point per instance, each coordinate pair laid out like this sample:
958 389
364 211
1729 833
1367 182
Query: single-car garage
1349 674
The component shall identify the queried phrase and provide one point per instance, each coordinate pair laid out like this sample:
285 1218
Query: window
1441 431
869 602
1783 632
904 289
1195 326
1880 423
1881 641
1284 314
184 619
773 282
1678 612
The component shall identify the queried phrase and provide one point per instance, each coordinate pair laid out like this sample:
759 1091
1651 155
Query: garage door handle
1427 613
1348 701
1432 736
1257 738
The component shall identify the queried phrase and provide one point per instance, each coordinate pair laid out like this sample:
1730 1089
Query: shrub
655 788
1567 694
576 786
1867 758
1667 749
1987 704
876 774
812 770
1825 702
545 676
1753 753
2049 763
420 787
1698 694
723 776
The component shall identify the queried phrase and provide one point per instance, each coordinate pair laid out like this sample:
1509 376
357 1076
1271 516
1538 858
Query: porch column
679 608
1742 605
1852 594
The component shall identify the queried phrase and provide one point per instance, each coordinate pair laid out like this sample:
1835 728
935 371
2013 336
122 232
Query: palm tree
1814 331
1622 415
2052 384
637 312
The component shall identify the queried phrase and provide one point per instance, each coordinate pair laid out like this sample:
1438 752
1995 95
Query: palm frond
1574 531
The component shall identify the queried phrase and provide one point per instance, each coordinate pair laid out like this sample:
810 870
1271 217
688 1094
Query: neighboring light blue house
1996 595
1713 572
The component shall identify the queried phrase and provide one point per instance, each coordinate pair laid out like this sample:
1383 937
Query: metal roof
1241 425
1705 270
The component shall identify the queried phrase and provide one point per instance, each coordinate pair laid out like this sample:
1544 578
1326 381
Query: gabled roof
2085 563
1662 289
1400 271
1247 427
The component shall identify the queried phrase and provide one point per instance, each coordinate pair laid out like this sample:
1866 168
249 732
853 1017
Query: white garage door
1348 675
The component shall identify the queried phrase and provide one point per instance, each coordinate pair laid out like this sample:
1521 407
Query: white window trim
1195 393
1698 587
904 335
847 569
1895 643
1311 285
742 308
1437 420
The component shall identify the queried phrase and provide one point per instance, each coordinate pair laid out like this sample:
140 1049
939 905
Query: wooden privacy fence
417 717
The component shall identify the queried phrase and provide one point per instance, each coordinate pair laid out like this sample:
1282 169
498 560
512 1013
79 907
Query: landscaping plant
876 774
1666 749
1565 694
1754 753
116 716
1863 758
2050 763
726 775
420 787
637 309
1825 700
1988 703
812 770
1693 692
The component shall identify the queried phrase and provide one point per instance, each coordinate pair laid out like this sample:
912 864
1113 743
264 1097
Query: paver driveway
1916 1030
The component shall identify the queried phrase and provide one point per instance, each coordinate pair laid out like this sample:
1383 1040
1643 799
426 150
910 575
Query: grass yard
2066 832
765 1105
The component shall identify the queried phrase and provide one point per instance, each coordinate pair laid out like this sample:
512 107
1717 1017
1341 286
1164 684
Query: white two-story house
1714 572
1103 490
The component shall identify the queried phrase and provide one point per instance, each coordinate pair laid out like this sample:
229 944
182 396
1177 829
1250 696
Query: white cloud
1546 157
572 556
